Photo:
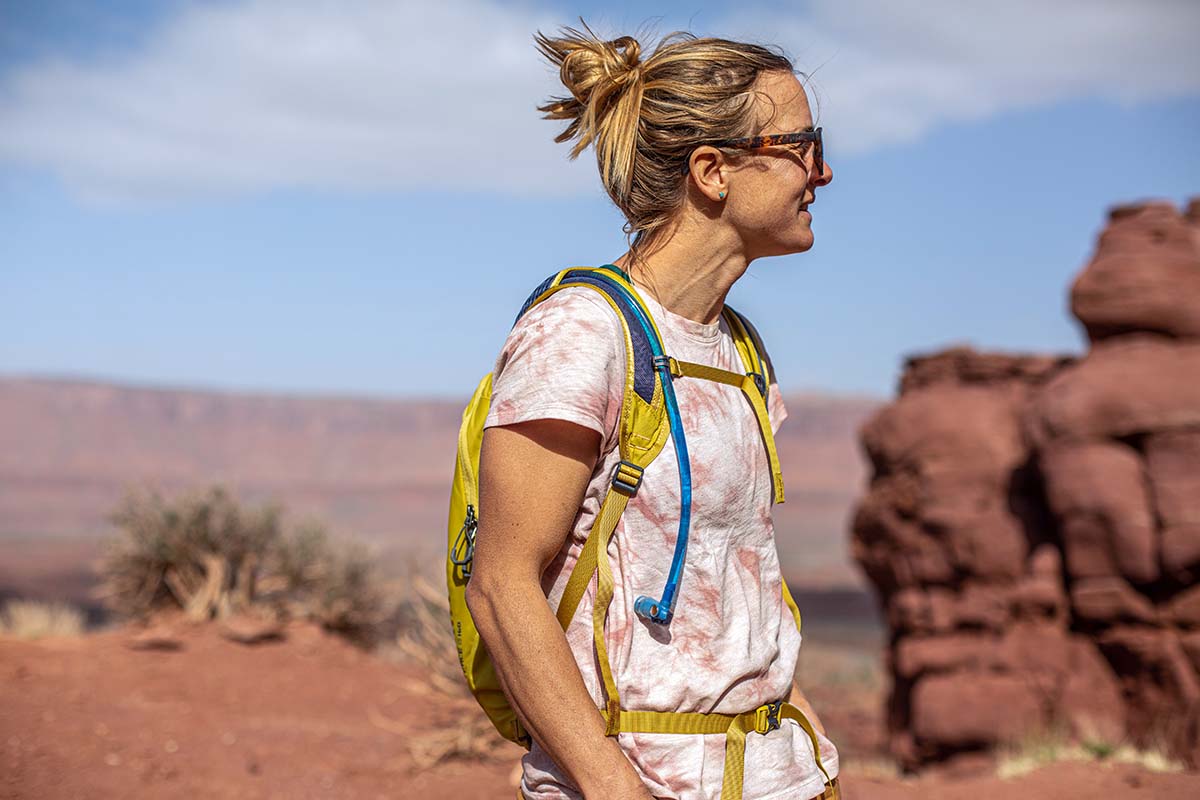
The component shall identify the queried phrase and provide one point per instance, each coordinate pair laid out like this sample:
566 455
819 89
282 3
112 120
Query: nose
826 175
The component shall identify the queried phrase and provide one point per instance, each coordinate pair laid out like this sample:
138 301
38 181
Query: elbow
493 596
480 597
475 597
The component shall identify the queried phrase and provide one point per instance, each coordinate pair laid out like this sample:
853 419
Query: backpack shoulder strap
649 414
750 348
644 423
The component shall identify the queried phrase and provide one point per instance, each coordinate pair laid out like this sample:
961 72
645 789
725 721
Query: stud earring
721 195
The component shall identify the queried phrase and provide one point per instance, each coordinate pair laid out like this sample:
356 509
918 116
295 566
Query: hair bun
593 68
605 81
626 55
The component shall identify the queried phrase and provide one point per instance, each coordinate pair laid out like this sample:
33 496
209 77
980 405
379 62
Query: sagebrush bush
207 555
424 640
27 619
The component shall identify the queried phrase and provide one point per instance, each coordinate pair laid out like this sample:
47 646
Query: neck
688 275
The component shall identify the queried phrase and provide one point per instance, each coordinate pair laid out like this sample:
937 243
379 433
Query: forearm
542 681
798 699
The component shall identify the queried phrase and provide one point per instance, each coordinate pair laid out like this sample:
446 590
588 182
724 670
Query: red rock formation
1145 275
1033 522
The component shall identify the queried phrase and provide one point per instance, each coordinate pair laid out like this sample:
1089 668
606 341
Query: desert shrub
336 584
1051 744
424 640
26 619
205 554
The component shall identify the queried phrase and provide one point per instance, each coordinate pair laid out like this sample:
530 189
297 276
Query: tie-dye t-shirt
733 643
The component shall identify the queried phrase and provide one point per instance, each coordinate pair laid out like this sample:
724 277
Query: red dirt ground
91 717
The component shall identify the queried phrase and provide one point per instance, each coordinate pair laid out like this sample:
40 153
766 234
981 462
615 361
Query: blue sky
356 197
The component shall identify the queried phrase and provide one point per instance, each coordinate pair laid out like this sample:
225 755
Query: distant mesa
375 468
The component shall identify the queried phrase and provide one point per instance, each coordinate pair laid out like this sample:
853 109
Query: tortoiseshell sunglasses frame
774 140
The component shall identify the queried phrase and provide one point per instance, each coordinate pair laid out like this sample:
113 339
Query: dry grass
426 642
876 768
425 638
839 666
1040 748
24 619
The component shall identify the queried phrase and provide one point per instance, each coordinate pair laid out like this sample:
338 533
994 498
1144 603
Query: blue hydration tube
649 609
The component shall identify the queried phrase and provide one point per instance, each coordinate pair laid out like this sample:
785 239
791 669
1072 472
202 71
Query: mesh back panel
643 352
543 286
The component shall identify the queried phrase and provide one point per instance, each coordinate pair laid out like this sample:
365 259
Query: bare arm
801 702
533 478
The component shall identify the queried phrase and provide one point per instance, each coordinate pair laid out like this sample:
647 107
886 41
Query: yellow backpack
649 415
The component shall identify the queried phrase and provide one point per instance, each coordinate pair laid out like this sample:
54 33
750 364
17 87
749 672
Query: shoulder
577 306
563 359
575 324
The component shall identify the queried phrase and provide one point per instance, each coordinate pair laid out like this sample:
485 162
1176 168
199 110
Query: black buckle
760 382
627 477
767 717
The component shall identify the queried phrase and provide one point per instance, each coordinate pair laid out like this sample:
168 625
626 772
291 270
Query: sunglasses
775 140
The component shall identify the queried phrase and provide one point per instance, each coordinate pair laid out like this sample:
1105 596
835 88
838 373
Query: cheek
771 203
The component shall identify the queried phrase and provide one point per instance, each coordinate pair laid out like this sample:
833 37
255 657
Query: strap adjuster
766 717
667 364
759 382
627 477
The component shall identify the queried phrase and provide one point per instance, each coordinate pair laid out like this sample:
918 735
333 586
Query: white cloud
888 72
285 93
365 94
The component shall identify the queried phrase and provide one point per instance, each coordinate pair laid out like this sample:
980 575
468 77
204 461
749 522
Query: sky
355 197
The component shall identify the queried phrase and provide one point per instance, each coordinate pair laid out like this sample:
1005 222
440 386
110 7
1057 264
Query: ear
708 169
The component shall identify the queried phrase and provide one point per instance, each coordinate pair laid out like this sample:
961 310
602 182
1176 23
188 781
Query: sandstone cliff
1032 526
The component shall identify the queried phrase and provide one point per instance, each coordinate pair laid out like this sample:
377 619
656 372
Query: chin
785 243
800 244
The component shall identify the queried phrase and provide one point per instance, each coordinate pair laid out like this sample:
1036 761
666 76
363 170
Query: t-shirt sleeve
776 410
564 359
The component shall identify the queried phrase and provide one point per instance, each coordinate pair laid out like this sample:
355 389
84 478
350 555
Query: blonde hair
644 118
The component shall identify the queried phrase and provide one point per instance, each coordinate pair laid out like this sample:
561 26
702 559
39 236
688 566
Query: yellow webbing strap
735 728
674 722
604 595
789 711
748 345
746 383
735 746
789 602
602 529
594 559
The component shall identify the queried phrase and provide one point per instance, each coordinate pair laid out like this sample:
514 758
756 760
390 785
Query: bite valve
652 610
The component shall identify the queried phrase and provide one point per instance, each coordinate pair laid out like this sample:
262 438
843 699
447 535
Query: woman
702 201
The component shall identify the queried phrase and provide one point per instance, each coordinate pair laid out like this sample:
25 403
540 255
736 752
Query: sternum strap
749 388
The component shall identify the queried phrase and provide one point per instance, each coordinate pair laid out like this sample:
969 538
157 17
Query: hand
637 793
631 788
